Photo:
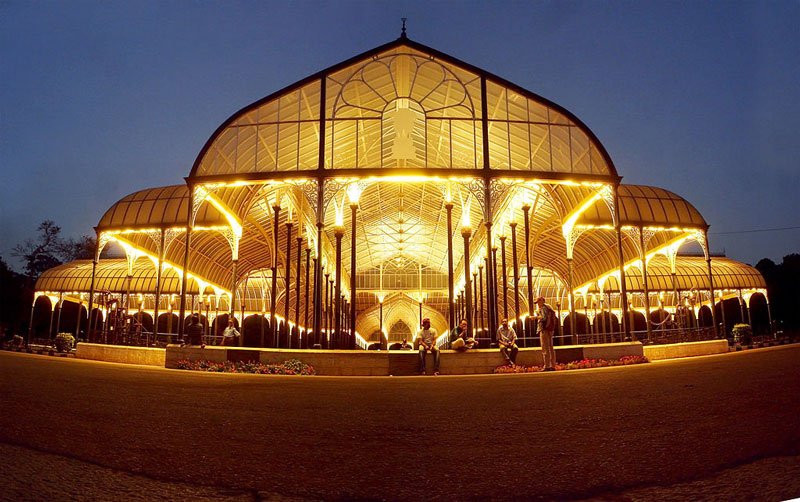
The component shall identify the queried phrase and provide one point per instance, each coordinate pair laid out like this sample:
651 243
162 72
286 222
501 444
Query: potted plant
742 334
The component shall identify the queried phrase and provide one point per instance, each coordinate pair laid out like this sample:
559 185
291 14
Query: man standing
231 334
545 327
427 341
507 338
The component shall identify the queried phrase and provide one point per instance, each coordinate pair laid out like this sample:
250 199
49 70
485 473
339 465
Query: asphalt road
562 435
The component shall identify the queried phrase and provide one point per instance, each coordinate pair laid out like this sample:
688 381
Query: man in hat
546 324
427 341
507 339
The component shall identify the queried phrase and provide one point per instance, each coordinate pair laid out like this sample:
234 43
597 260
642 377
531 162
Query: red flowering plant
291 367
575 365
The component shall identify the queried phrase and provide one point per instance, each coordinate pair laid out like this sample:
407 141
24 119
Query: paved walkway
604 433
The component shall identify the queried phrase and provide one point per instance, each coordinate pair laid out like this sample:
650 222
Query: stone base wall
397 362
675 350
121 354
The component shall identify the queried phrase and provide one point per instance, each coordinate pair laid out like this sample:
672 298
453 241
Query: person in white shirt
427 341
507 338
230 335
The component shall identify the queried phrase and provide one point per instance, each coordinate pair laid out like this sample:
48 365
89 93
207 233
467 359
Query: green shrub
65 342
742 334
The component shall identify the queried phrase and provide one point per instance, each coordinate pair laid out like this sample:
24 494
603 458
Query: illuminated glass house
429 188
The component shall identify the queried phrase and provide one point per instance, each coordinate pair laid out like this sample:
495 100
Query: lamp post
380 323
327 310
475 298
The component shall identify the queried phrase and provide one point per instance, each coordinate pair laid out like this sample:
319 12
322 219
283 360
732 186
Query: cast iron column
338 232
514 257
505 279
273 327
297 291
525 209
287 280
450 299
353 209
466 232
480 278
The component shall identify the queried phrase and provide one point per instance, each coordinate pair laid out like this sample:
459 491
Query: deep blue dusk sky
100 99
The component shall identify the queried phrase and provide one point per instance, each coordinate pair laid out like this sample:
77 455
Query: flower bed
576 365
291 367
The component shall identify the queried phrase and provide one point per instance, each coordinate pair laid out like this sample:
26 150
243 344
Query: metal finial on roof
403 32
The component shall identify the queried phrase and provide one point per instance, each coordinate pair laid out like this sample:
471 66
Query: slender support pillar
326 285
60 308
480 288
572 315
297 285
77 323
353 210
626 327
643 256
493 321
380 327
420 312
741 306
318 285
503 275
515 260
305 296
525 209
466 232
338 233
769 315
287 281
30 321
491 286
722 314
273 325
91 296
450 299
475 312
710 283
185 274
50 327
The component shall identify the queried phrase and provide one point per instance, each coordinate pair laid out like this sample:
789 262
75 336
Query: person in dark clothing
195 332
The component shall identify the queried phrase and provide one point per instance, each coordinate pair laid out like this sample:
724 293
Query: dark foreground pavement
613 433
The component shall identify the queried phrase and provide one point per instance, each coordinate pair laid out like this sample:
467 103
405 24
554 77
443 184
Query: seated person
427 341
507 338
459 340
231 334
405 345
195 332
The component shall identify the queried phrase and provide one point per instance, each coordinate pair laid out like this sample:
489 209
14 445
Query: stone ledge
688 349
148 356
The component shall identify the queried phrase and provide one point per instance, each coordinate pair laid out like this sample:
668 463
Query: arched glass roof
402 105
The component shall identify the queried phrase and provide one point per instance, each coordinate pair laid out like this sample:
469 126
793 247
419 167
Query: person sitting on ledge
427 341
194 333
405 345
459 338
507 338
231 334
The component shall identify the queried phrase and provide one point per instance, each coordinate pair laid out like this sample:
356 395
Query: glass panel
560 148
369 143
309 102
287 147
309 145
465 137
343 140
520 146
225 147
438 150
246 150
496 101
517 107
580 151
540 147
266 159
498 145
